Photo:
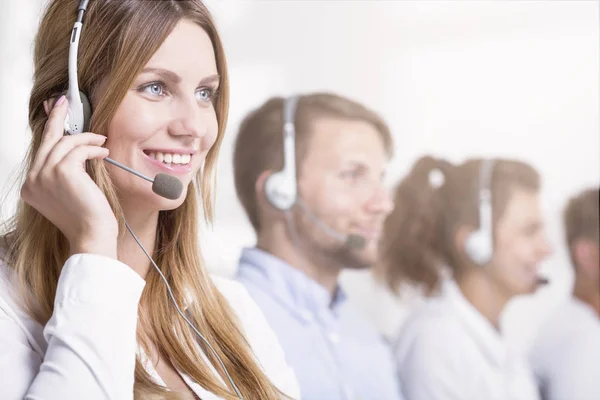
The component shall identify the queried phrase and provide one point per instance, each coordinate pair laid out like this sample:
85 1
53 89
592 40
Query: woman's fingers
66 144
53 131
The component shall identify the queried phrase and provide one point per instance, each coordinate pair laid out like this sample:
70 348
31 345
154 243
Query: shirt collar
290 284
489 340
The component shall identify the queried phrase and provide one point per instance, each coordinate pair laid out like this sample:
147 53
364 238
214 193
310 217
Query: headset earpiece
280 191
479 245
281 187
87 111
79 113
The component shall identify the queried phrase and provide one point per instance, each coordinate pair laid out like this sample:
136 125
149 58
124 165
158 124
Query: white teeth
168 158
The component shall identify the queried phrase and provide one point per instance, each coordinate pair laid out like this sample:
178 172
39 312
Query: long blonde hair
118 39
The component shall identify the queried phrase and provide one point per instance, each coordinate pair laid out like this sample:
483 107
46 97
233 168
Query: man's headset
77 121
479 245
281 187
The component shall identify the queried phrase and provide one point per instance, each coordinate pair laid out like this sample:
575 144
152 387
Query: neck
144 224
314 264
588 292
485 295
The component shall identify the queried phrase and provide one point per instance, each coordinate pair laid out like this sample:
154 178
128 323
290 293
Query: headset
80 110
281 187
77 121
479 245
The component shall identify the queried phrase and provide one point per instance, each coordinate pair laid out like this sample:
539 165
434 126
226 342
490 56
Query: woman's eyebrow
173 77
165 73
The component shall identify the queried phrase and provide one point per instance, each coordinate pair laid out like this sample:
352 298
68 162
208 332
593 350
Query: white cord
237 392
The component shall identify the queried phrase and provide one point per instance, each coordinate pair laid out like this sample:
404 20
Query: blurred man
308 171
566 355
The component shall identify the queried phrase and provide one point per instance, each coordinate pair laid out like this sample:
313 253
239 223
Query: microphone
164 185
351 241
542 281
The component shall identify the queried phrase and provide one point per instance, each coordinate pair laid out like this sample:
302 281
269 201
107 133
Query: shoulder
16 322
251 317
8 289
571 330
433 357
431 321
360 328
434 334
259 334
566 351
569 320
242 303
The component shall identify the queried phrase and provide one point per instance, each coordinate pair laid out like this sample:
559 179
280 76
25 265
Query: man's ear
265 211
586 255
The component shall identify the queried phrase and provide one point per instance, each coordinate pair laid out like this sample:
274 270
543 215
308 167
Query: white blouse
447 350
87 349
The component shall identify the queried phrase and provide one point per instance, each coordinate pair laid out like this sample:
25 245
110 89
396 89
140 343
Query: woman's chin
164 204
168 205
149 201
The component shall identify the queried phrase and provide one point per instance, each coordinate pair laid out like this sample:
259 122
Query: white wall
452 78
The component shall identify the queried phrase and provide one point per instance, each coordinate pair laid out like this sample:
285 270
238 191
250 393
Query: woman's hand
59 187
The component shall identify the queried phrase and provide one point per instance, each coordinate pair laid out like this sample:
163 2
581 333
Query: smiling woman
472 236
82 313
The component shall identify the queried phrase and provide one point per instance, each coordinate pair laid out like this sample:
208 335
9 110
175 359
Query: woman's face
166 122
520 244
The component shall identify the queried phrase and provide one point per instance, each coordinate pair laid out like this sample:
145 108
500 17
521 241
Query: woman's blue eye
154 89
205 94
349 174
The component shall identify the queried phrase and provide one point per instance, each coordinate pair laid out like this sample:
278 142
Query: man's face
520 244
341 183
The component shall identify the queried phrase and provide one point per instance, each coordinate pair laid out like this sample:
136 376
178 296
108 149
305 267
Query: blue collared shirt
336 353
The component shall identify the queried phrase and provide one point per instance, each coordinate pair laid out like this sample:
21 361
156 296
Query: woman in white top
84 314
471 236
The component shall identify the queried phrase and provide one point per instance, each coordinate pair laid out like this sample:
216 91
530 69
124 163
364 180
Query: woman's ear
47 107
49 104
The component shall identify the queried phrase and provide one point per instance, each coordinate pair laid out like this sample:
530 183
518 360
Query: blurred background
454 79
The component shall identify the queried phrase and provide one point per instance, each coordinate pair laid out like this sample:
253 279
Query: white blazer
447 350
87 349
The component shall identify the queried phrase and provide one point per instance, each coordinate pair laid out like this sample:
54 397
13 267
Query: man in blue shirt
308 171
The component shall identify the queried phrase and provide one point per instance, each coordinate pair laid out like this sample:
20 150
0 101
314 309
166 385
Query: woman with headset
103 292
471 237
